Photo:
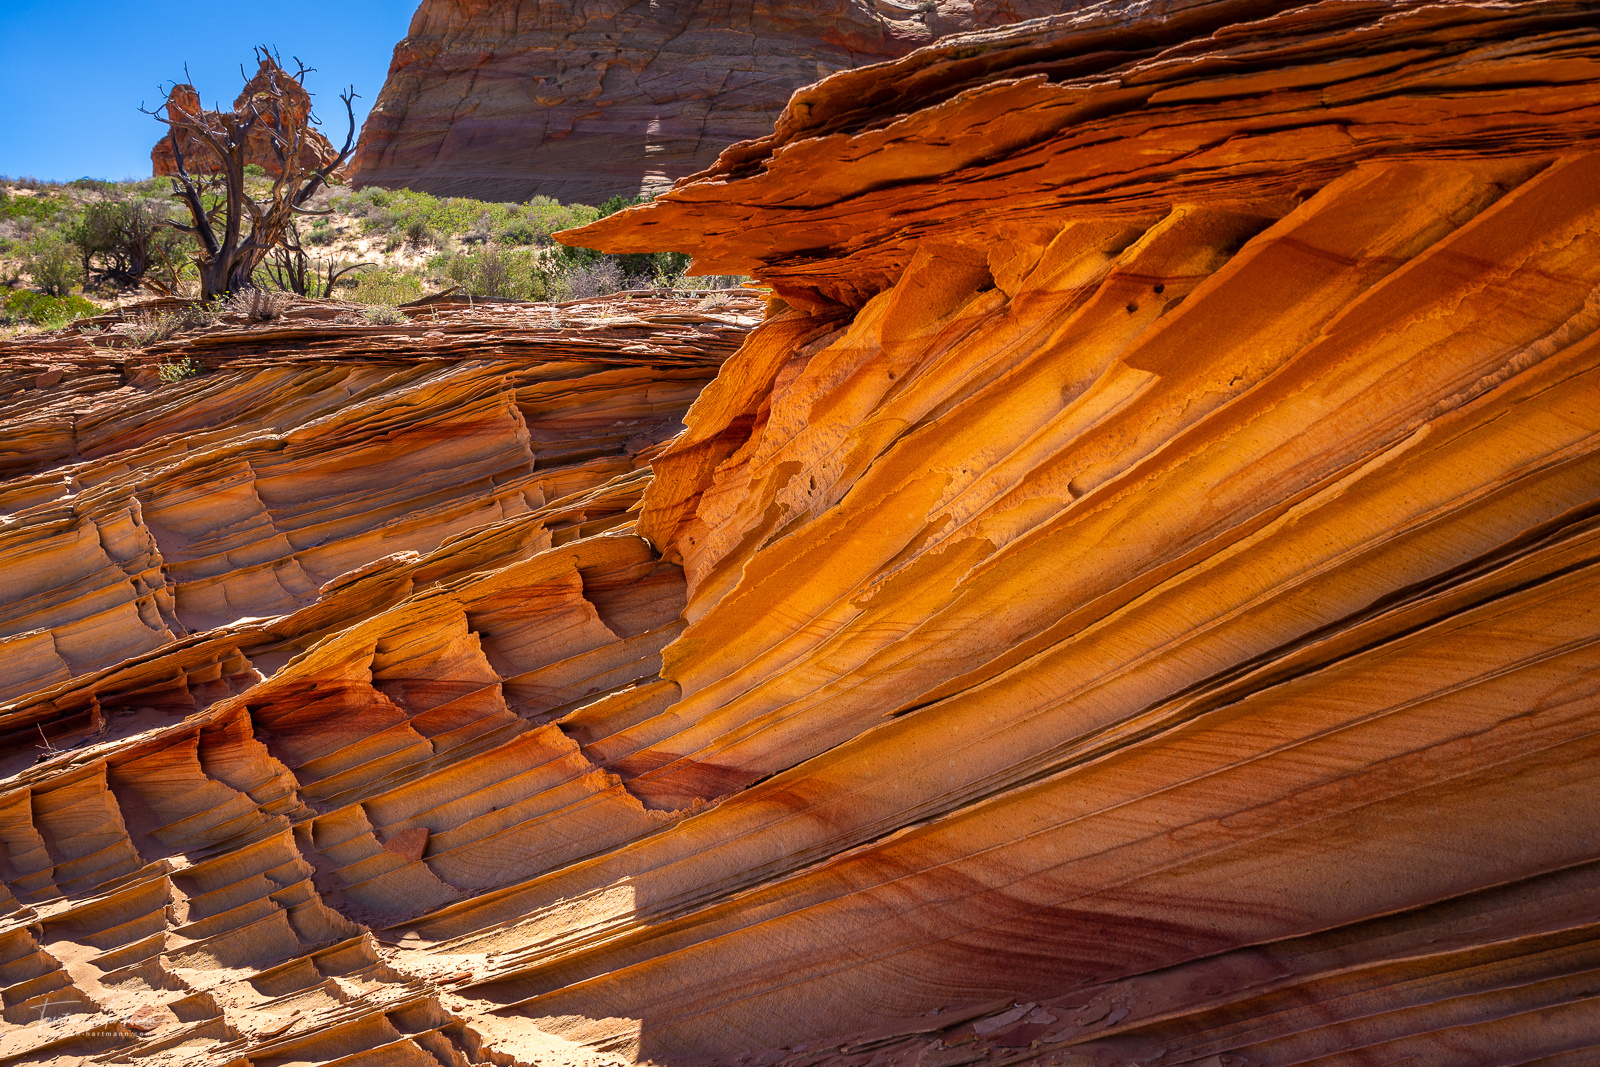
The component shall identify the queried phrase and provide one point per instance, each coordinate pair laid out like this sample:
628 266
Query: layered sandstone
585 101
171 545
1131 600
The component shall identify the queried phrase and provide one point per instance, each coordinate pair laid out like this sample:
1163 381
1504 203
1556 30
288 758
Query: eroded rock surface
1131 600
583 101
171 555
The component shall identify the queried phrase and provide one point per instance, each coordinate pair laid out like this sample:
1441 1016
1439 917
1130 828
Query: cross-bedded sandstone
1149 620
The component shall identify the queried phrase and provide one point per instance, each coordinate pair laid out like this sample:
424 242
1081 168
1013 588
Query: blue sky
73 72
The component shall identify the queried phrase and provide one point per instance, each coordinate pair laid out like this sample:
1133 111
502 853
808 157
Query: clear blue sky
73 72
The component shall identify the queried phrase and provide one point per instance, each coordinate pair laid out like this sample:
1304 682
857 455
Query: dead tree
271 125
291 269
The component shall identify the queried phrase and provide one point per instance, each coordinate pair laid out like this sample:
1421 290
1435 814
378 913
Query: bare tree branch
239 230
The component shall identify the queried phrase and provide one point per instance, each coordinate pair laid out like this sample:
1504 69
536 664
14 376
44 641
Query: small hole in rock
1132 307
1160 288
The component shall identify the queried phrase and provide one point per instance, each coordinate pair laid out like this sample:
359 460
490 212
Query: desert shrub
715 281
202 314
321 233
519 232
637 269
420 235
123 240
53 262
617 203
493 271
585 279
39 309
153 327
254 170
383 314
661 268
482 228
397 210
544 216
38 208
387 287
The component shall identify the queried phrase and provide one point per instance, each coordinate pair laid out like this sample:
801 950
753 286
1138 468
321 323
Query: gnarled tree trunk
270 124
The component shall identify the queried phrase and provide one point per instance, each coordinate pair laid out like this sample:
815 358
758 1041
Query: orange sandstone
1132 598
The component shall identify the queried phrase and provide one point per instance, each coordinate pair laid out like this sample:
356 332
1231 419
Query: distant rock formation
584 101
199 159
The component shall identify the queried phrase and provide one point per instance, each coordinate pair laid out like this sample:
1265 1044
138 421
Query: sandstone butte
1134 598
583 101
183 100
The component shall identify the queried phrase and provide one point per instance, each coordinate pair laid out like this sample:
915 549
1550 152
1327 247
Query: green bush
405 211
497 272
53 262
49 311
39 208
153 327
520 232
125 239
420 235
322 233
387 287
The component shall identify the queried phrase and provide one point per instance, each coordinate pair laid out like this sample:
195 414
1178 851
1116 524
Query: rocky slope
584 101
1131 600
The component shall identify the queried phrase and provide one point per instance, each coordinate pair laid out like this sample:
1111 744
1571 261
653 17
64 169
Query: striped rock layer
1134 599
583 100
241 698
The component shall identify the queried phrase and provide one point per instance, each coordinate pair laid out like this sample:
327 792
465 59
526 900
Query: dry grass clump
153 327
383 315
258 305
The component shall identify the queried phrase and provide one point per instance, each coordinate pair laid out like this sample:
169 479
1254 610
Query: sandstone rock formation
585 101
182 99
1131 600
167 546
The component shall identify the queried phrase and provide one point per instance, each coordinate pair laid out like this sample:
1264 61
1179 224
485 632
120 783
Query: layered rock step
190 873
